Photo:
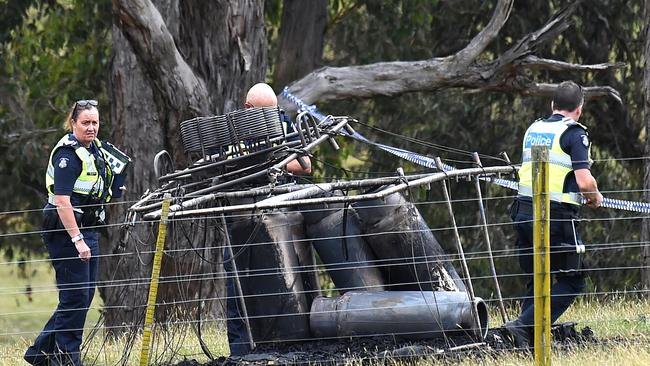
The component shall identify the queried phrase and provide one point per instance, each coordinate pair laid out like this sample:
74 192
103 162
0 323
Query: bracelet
75 239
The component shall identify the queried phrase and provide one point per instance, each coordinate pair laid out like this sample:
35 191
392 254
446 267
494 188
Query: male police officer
259 95
569 176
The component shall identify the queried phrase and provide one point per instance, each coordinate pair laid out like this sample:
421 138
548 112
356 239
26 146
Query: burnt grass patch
390 349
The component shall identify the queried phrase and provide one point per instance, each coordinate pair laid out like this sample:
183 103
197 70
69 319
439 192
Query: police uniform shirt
574 142
290 128
67 168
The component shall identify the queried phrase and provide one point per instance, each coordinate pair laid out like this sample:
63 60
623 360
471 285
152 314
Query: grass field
23 315
623 321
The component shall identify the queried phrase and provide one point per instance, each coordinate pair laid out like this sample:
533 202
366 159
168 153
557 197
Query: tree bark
302 34
645 233
177 59
173 60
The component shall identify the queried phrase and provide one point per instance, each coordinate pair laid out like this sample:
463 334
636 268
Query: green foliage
452 123
272 20
53 54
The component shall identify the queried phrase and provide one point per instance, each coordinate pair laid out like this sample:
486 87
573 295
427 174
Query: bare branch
478 44
147 33
591 92
502 75
527 45
534 62
383 78
29 134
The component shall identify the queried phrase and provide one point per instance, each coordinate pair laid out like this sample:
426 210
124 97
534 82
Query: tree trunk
645 233
178 59
302 34
173 60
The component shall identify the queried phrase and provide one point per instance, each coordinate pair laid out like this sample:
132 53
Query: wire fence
284 266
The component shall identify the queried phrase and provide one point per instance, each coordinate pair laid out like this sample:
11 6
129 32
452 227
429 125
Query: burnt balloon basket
367 243
234 134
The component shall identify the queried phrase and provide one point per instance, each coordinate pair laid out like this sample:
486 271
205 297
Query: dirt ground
333 352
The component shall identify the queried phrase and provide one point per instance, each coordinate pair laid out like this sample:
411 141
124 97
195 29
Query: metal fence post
541 255
153 286
486 235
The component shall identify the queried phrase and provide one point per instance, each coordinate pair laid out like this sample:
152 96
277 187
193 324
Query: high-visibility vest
560 165
90 182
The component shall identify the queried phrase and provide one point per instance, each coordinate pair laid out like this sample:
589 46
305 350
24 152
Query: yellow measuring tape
153 286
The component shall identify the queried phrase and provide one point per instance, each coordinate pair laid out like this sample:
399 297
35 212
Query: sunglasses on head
86 102
83 104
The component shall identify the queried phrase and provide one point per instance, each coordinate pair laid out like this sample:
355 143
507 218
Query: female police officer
78 181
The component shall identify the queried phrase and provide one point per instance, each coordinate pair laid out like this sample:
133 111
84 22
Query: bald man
262 95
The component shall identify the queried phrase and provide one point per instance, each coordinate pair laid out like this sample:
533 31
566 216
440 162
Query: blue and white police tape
302 106
642 207
404 154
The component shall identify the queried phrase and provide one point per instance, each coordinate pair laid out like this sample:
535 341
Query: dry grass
620 318
624 353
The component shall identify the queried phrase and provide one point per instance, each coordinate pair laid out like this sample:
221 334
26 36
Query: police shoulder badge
63 163
585 140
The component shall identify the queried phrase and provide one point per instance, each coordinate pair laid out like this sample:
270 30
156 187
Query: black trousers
566 264
60 340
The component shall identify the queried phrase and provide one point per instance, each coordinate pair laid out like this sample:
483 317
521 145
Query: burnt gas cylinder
305 253
316 212
407 314
270 275
346 255
409 255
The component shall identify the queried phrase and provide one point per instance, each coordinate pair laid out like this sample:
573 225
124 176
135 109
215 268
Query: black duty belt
558 210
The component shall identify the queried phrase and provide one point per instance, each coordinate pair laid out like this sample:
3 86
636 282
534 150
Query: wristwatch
75 239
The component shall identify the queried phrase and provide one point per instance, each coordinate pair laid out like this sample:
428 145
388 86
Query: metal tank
270 275
409 255
408 314
306 259
344 252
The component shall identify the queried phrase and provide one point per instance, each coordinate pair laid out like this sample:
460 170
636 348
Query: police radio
116 159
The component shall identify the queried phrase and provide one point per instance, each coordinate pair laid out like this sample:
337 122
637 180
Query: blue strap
642 207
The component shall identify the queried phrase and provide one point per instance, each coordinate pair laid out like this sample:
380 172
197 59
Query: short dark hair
568 96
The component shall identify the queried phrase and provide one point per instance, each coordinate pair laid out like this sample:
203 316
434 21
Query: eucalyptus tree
178 59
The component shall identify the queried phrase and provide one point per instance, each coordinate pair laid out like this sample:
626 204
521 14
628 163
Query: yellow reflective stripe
557 176
572 197
560 164
86 185
89 178
563 160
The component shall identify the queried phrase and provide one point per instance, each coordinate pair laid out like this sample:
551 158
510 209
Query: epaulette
67 141
570 123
